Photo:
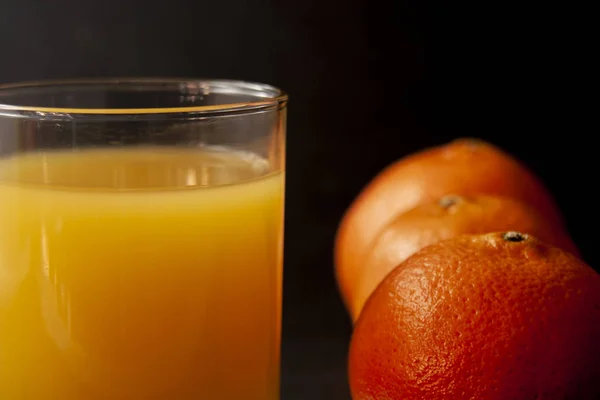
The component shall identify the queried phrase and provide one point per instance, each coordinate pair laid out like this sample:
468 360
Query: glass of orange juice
141 234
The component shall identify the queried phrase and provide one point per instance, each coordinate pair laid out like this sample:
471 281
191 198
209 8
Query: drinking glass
141 235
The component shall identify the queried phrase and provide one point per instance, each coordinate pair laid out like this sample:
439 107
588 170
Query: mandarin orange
481 317
449 216
464 166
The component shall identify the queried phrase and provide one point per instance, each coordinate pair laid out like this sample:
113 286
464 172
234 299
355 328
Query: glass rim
272 97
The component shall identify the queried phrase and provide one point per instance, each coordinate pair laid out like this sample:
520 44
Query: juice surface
142 273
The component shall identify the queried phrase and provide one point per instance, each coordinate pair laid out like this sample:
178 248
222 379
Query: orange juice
142 273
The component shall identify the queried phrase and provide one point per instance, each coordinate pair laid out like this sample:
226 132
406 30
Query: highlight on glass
141 235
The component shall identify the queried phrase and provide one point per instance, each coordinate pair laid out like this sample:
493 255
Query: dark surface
370 81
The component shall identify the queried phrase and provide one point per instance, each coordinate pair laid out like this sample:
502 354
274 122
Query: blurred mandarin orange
446 217
464 166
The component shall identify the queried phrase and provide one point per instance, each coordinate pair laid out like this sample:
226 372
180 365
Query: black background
370 81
